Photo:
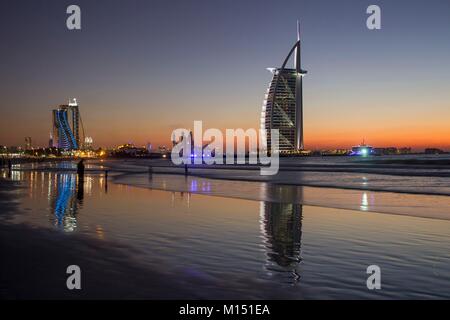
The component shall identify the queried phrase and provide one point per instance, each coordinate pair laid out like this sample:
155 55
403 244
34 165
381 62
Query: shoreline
364 199
124 172
336 203
287 183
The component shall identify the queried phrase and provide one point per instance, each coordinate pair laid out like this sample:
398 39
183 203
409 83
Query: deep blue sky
141 68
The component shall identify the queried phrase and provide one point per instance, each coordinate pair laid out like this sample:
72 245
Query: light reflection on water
67 200
296 251
281 229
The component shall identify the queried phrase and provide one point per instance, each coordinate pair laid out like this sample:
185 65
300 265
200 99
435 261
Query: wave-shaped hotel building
66 126
283 104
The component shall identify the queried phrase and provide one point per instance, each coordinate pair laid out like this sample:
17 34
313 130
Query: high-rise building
66 126
50 141
75 118
283 104
28 144
88 143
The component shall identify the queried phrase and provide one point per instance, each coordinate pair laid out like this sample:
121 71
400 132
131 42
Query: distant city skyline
139 71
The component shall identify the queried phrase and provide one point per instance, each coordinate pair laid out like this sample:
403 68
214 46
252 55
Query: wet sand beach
170 236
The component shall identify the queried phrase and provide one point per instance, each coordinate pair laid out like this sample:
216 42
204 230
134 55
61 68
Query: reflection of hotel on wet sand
281 228
65 193
66 200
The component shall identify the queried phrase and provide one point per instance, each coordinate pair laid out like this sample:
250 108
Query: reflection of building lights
50 186
194 185
100 232
364 202
365 181
88 185
188 200
16 175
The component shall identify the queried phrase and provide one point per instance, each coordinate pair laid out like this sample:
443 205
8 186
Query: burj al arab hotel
283 104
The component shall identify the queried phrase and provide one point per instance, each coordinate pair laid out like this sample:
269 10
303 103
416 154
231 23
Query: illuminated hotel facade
283 104
66 126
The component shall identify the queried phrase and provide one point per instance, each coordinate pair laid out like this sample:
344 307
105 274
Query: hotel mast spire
298 95
297 49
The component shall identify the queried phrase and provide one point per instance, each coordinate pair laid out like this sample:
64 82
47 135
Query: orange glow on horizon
318 138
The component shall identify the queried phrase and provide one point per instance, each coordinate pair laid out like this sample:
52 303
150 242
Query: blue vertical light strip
63 141
66 187
66 137
70 133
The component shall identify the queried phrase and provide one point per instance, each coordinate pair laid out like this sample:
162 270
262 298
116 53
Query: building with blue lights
66 126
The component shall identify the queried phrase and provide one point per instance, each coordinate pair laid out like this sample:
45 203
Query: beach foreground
168 237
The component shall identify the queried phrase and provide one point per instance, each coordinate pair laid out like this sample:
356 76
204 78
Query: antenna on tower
297 50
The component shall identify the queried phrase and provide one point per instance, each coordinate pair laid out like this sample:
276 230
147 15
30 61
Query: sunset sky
140 69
